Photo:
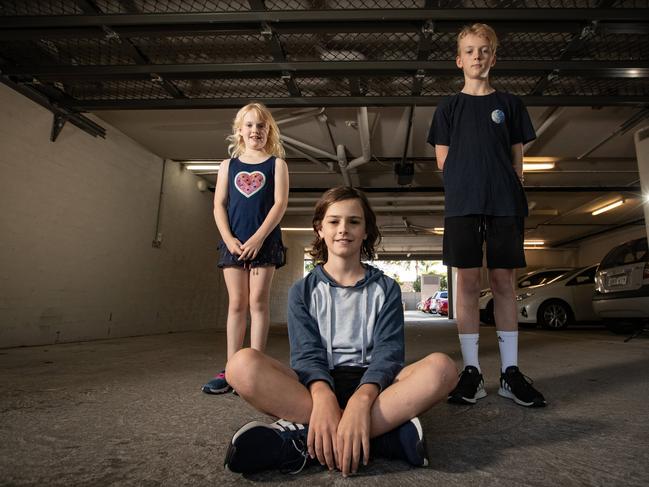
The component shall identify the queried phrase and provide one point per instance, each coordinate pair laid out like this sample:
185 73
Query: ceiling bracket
57 125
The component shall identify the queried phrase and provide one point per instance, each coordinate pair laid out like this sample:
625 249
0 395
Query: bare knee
469 281
501 283
442 369
238 304
242 368
259 304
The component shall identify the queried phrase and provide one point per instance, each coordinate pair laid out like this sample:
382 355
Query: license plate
616 280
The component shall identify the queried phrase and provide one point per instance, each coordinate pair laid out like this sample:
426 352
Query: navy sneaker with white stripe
259 446
217 385
517 387
405 443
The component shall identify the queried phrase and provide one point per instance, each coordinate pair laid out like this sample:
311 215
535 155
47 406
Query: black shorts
464 237
346 381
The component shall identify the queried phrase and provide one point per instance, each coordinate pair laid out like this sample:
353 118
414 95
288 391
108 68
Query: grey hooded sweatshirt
330 326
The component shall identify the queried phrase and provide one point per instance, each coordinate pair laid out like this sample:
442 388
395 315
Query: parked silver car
558 303
532 278
622 286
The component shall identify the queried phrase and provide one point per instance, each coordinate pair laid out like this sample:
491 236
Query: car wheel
554 315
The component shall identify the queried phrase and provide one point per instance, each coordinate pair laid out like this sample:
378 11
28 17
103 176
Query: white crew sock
469 346
508 344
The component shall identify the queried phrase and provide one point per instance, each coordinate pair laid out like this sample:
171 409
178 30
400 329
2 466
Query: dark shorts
272 253
464 237
346 381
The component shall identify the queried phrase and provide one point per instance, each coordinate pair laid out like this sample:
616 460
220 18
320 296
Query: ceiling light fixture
608 207
438 230
533 243
537 166
297 229
202 167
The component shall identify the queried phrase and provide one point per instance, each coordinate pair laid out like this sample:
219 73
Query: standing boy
478 135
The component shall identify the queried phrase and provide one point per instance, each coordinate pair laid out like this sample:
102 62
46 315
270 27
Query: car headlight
523 296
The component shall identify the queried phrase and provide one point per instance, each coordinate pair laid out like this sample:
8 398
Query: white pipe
300 116
364 133
303 145
329 165
342 162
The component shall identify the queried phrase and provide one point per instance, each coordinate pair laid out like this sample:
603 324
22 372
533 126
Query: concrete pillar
641 139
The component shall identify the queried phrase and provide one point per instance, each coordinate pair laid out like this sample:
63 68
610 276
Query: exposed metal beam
333 15
440 189
61 113
561 243
615 69
342 101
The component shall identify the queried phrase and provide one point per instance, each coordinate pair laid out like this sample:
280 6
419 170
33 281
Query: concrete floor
130 412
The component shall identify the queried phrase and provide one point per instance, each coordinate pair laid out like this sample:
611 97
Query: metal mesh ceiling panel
67 52
205 49
117 90
615 47
341 4
517 85
441 85
533 45
329 86
38 7
168 6
387 86
233 88
598 87
361 46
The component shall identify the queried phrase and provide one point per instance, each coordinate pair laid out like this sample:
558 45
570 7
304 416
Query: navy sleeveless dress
251 195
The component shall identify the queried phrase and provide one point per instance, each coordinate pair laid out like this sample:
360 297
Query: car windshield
540 278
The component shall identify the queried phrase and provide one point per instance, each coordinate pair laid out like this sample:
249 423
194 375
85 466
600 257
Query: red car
442 306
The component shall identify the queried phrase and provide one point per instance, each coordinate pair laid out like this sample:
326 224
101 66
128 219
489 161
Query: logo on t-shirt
498 116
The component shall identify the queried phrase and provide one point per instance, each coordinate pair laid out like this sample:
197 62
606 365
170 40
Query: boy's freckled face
254 131
343 228
476 57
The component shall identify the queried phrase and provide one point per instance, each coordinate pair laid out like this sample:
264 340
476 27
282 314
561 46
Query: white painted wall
285 276
76 226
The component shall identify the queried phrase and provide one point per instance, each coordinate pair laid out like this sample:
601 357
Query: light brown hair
334 195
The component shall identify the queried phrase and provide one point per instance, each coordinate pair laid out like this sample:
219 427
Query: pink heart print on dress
249 183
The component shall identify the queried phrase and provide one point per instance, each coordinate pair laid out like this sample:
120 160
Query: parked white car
622 286
532 278
559 302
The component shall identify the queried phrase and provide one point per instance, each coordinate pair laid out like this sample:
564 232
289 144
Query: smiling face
254 131
343 229
475 57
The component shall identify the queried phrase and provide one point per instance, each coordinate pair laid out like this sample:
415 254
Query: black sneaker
259 446
405 443
470 388
517 387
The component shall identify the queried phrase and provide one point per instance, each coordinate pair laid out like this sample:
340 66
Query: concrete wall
593 250
76 226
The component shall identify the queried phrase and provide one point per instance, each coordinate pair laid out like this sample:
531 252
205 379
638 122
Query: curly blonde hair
480 30
236 145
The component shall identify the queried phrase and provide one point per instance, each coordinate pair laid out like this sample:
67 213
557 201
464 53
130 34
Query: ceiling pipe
301 116
364 133
342 162
305 146
328 165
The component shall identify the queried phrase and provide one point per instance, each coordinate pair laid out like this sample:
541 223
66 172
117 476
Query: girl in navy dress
249 202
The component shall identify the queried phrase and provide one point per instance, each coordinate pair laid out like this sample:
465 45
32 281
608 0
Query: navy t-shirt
479 178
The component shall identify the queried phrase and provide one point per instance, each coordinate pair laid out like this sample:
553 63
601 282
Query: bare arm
221 211
253 244
441 151
325 416
517 160
354 429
